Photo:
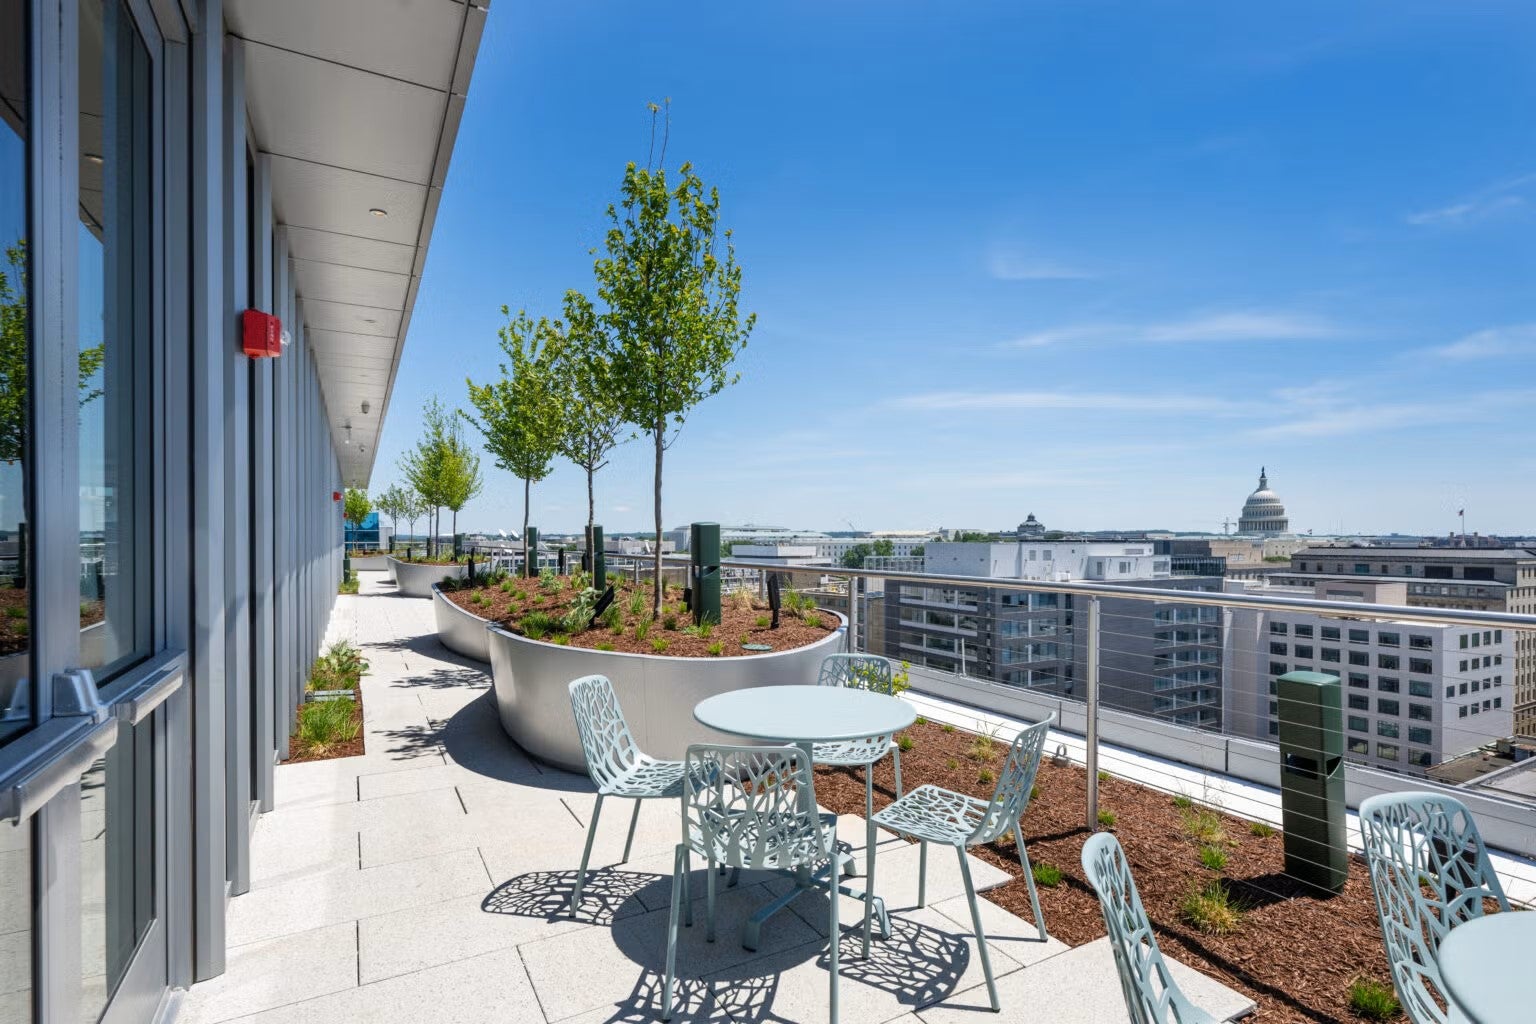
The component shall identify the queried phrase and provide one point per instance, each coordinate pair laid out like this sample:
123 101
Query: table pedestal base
752 929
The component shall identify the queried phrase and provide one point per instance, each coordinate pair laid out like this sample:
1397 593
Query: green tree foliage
974 536
854 557
425 466
591 421
519 414
884 547
394 502
355 507
461 474
14 378
668 279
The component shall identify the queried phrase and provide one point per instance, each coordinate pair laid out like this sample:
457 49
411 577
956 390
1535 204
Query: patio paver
427 880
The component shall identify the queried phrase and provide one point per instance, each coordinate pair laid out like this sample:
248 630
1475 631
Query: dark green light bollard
1312 779
597 560
531 552
704 571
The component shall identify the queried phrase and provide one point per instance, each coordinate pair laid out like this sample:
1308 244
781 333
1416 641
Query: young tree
415 508
395 503
355 507
671 306
424 466
519 414
461 474
591 420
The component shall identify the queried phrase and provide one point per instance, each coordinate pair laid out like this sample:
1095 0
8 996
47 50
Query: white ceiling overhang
357 102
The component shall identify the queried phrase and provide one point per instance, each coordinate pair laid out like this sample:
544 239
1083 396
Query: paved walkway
425 881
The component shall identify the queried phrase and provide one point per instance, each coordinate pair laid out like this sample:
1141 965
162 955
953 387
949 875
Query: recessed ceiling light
369 320
365 408
95 158
378 212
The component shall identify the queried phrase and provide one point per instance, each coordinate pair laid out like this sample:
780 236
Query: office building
215 218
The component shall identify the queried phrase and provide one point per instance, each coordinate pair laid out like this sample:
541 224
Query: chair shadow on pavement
918 965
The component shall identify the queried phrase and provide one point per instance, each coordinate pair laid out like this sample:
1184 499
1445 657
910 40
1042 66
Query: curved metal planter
416 580
460 631
371 563
658 693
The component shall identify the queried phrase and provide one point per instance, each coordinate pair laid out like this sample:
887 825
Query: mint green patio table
1485 964
806 716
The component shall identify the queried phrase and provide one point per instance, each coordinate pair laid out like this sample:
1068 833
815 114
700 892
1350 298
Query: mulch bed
1296 950
350 748
738 625
15 628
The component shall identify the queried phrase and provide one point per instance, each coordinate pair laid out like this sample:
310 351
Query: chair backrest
1017 778
606 742
1431 872
1151 997
745 806
857 671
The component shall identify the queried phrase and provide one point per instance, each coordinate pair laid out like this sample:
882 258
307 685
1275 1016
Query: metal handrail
1217 599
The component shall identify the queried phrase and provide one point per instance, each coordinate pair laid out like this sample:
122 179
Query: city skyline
1034 260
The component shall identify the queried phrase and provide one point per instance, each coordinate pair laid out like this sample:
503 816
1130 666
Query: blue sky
1092 261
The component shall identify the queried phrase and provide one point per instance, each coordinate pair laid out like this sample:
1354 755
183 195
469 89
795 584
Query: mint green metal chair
1414 842
1151 996
930 814
616 764
860 672
753 808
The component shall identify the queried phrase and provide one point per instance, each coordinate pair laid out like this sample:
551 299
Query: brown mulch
738 625
351 748
15 630
1296 950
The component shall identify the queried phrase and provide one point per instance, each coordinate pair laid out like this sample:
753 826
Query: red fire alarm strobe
335 495
262 334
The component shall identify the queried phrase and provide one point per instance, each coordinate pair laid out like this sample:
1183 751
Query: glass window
1420 642
1386 707
1305 631
1359 702
1359 657
1360 679
1281 649
1386 751
15 380
1389 639
1450 691
1461 712
1421 712
1330 632
1419 688
1359 723
1277 668
1359 636
114 324
1304 651
1386 728
1421 666
1277 628
1419 758
1389 661
1418 734
1361 747
1330 654
1387 684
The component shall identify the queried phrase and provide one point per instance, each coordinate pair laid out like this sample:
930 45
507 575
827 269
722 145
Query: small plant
740 600
548 581
985 777
1203 826
348 585
563 639
1107 818
814 621
1213 858
643 628
905 743
538 625
702 630
20 611
636 605
1373 1000
1262 829
947 727
762 622
325 725
1103 777
669 621
715 649
1034 791
519 595
1046 874
921 720
951 764
1211 909
982 748
613 617
579 616
1183 802
604 645
660 643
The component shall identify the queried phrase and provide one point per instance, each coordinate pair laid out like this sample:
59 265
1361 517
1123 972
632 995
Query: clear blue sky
1093 261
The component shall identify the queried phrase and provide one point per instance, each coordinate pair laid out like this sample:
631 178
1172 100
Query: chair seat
647 779
849 753
935 814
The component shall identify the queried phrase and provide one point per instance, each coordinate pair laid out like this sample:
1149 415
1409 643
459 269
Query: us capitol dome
1263 512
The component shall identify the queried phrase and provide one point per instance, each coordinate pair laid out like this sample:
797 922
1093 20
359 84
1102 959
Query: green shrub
762 622
1373 1000
1211 909
548 581
669 621
325 725
1203 826
643 628
519 595
947 727
921 720
660 643
814 621
702 630
613 617
538 625
563 639
604 645
1103 777
982 748
951 764
1183 802
1262 829
1048 875
1107 818
905 742
985 777
1034 791
1213 857
579 616
636 604
715 649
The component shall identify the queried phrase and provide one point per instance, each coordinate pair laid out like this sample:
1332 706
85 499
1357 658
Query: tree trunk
591 505
527 492
659 590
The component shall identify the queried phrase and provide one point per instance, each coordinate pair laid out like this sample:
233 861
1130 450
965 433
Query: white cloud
1011 265
1362 417
1486 203
1492 342
950 401
1213 327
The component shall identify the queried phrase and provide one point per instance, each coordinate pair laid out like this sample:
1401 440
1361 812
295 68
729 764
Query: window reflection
114 325
15 610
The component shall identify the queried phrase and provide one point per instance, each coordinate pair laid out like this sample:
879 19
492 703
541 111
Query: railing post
1091 728
853 615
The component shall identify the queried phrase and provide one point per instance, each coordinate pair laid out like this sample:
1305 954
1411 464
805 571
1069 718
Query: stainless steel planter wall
415 580
658 693
459 630
372 563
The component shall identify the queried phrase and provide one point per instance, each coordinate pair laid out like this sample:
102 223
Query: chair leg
679 879
922 873
869 881
687 888
634 819
834 940
1029 878
709 902
586 855
981 938
896 757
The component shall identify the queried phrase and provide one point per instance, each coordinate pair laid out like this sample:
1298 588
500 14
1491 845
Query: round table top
1483 963
805 714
